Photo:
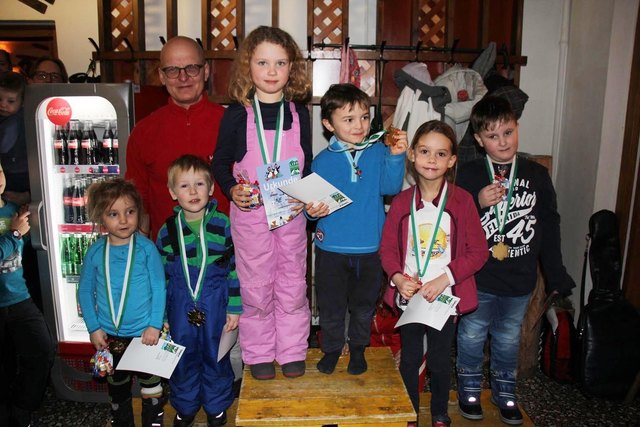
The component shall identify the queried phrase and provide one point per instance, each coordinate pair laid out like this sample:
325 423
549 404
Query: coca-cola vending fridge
76 136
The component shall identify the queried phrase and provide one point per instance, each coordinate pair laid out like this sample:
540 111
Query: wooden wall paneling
120 20
628 198
222 21
275 13
464 19
328 20
172 18
392 28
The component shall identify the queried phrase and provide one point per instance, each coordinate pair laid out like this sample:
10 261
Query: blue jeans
502 318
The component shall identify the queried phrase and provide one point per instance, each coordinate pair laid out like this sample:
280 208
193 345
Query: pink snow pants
271 266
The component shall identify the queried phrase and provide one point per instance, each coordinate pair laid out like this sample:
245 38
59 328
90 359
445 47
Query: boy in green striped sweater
203 293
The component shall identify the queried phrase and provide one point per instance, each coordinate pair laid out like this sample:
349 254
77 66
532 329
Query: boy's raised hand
150 336
401 144
490 195
232 322
317 211
99 339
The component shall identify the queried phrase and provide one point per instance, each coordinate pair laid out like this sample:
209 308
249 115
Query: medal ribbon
361 145
512 175
414 229
277 146
195 293
117 317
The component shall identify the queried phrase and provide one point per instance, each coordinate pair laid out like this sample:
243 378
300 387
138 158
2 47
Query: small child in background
23 332
432 244
269 123
517 205
122 294
13 145
203 293
348 274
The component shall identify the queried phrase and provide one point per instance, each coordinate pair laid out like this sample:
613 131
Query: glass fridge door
73 156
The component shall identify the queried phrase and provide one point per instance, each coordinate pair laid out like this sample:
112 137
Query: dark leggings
119 384
438 362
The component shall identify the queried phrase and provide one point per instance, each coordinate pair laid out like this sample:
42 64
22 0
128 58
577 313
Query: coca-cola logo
59 111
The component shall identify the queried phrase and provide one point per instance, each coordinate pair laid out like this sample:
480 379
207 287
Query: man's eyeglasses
44 76
191 70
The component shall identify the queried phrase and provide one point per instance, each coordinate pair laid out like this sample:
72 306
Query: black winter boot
153 411
122 414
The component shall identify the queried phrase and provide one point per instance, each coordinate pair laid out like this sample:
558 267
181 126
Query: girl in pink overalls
268 124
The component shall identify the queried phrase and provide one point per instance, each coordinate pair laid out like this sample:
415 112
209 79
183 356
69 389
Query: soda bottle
78 202
96 156
85 145
64 251
60 146
72 248
115 143
67 201
107 144
73 144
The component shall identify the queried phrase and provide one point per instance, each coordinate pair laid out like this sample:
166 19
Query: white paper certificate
160 359
314 188
227 340
433 314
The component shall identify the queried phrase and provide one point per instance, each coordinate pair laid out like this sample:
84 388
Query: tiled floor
546 403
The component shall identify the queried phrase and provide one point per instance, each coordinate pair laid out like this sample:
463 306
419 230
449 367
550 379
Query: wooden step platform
289 402
375 398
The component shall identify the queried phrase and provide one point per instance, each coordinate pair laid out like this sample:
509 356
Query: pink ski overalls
271 265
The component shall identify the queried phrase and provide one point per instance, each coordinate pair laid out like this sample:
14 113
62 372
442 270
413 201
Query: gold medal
196 317
500 251
117 346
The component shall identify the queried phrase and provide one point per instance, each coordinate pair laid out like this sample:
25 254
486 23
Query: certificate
227 340
433 314
314 188
160 359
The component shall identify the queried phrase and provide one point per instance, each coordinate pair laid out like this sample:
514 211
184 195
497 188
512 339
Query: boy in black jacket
517 206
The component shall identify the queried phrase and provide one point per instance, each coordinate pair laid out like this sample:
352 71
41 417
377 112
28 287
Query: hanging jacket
466 88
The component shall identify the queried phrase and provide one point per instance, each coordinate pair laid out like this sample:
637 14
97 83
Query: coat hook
346 42
95 46
309 48
505 57
382 46
200 42
130 47
162 40
235 42
418 45
453 49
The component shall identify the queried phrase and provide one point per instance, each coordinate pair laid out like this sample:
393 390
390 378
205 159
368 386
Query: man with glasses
188 124
48 70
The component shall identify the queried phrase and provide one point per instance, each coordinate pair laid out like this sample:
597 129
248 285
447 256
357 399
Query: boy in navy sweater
348 273
517 206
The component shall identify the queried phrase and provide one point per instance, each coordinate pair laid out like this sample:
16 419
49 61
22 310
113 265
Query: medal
422 270
277 146
117 346
196 317
500 251
116 316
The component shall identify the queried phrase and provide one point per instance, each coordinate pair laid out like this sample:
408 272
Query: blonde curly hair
298 87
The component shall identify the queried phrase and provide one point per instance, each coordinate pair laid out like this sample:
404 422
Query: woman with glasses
48 70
